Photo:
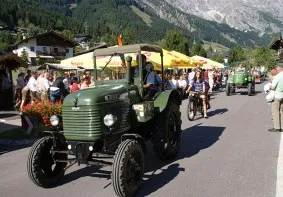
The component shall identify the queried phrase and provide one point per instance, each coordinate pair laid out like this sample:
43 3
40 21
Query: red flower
44 110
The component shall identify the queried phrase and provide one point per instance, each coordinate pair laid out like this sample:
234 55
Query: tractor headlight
54 120
109 120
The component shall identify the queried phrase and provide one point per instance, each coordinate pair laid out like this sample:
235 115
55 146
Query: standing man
20 86
277 105
32 84
44 86
28 76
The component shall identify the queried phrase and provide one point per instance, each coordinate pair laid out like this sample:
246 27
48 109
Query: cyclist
198 85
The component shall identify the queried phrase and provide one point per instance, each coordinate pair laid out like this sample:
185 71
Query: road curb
16 142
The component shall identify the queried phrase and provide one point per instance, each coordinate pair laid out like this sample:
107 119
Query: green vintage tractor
240 80
111 120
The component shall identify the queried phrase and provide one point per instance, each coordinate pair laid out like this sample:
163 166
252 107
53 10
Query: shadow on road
157 181
193 140
217 112
197 138
159 173
9 148
90 171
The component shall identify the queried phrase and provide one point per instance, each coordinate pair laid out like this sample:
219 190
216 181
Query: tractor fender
57 136
162 99
136 137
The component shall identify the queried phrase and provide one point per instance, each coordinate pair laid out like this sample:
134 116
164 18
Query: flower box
35 117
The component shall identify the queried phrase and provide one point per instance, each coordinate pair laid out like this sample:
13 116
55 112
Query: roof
275 43
127 49
72 43
48 66
91 49
12 61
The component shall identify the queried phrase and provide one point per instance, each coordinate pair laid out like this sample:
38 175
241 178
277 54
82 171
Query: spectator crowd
47 86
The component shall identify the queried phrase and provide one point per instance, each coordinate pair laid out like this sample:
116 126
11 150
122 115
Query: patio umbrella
206 61
190 62
169 59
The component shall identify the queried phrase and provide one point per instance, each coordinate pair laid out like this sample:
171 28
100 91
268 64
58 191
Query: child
75 85
84 84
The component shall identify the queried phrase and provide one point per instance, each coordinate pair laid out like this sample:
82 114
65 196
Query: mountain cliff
262 16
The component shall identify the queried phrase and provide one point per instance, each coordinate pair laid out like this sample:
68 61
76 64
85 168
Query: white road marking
279 182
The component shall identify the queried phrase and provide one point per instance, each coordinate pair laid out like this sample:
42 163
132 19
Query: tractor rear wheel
166 138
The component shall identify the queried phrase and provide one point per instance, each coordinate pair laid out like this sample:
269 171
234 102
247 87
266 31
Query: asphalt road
229 154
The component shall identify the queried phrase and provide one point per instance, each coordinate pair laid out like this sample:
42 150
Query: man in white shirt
32 84
44 85
66 82
277 104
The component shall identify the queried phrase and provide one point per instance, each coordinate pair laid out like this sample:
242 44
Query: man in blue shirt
151 81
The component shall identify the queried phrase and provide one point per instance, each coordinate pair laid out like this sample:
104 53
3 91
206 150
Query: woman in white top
174 82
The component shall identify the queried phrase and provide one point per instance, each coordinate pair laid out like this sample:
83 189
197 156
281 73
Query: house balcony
54 54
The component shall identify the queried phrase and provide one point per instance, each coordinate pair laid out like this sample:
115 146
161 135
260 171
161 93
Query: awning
48 66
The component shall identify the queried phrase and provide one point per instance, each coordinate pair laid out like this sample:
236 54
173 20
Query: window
44 49
67 50
31 48
56 50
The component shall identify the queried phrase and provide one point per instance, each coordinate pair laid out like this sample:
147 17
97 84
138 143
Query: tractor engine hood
97 95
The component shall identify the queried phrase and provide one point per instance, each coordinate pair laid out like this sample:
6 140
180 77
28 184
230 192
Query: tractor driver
151 81
199 86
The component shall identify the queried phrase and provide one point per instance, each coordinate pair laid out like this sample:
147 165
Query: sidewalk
10 120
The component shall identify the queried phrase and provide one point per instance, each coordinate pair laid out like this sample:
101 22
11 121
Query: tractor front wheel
41 167
128 168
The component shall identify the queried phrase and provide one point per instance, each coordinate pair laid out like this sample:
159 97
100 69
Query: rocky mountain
261 16
147 20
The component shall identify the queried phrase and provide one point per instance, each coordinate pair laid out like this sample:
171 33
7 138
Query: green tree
24 55
68 34
210 49
128 37
264 57
109 39
217 58
176 41
197 49
237 54
34 30
161 43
